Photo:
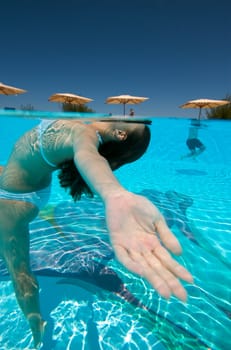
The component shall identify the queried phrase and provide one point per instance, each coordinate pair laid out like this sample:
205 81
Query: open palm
141 240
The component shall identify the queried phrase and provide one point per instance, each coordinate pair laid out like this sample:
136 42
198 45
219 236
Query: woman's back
27 168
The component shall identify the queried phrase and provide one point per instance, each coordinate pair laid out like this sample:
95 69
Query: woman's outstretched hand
141 240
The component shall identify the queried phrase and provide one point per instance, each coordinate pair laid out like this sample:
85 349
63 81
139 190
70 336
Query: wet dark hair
116 153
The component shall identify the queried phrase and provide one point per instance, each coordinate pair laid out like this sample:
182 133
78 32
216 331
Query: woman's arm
93 167
138 232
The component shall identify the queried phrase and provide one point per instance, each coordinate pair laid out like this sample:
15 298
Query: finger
152 272
136 263
164 283
124 257
172 265
167 237
170 279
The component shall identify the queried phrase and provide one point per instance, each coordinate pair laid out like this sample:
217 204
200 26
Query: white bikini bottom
38 198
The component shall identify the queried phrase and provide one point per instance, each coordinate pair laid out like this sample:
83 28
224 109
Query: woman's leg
14 247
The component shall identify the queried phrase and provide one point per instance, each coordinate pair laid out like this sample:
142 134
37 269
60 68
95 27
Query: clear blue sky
168 50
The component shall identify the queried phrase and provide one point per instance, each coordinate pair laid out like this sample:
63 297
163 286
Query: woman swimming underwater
86 155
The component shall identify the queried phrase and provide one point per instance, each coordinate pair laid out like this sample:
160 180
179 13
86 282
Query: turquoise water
89 300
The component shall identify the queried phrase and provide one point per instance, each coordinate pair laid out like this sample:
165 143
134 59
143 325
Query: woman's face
122 130
118 131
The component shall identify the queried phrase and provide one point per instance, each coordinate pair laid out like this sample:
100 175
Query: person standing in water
193 143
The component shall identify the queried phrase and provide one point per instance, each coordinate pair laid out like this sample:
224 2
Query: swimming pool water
89 300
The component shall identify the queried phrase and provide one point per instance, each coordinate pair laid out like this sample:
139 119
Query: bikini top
99 137
42 127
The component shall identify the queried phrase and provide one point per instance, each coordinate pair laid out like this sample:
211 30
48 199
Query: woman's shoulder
82 129
84 135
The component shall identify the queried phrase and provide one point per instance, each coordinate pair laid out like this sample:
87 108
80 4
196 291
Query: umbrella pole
124 108
199 117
